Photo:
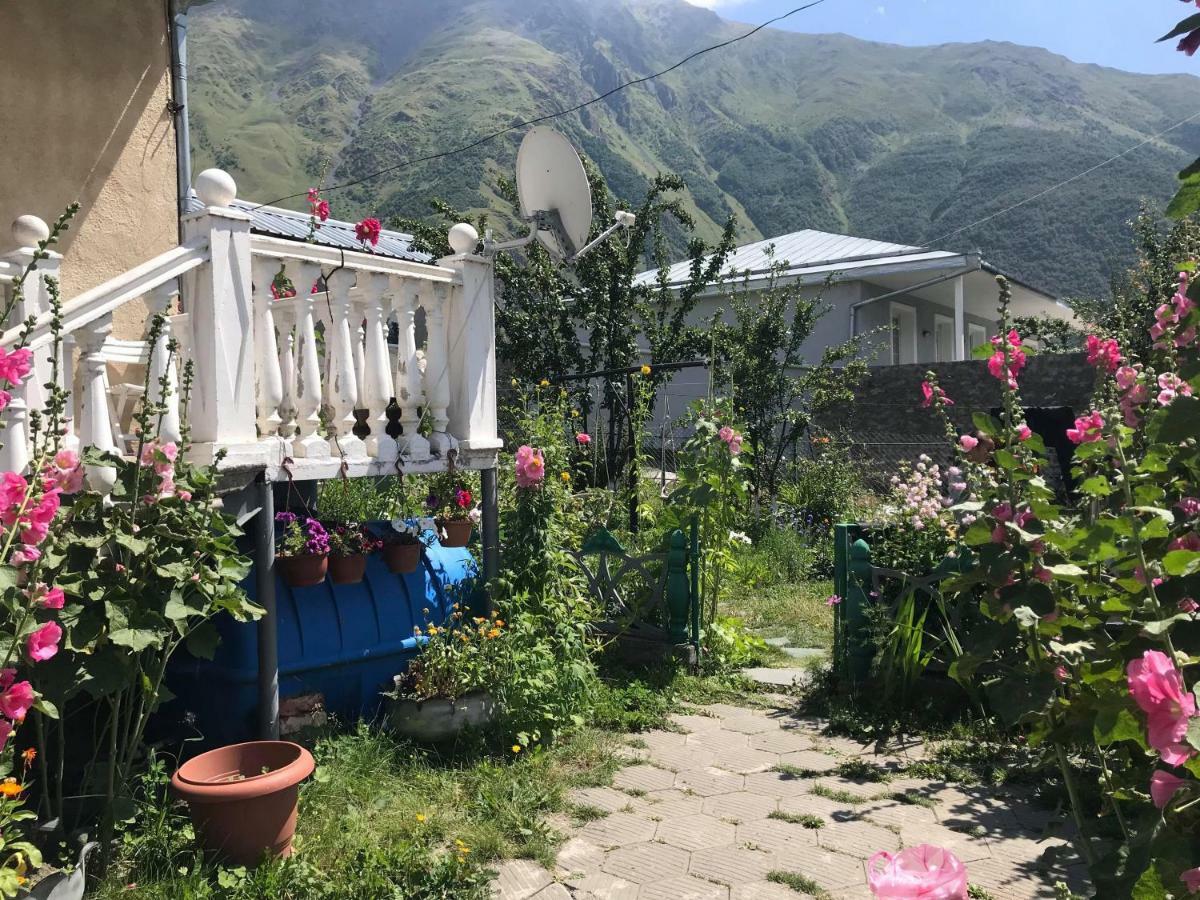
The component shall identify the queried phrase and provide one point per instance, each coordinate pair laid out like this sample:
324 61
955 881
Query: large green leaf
1115 724
136 639
1020 695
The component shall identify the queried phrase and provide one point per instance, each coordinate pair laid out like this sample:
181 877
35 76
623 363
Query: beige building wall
84 92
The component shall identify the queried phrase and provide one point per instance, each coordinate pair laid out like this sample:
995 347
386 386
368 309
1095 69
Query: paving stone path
710 811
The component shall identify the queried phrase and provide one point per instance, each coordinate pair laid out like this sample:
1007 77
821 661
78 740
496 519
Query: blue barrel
345 642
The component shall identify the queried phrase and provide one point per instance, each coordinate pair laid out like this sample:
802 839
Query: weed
801 884
790 771
582 813
836 795
861 770
807 819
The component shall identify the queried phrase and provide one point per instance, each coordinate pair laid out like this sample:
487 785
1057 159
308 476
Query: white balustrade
342 396
272 378
409 393
437 381
269 375
375 386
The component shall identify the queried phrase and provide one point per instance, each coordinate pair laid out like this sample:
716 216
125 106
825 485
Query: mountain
784 130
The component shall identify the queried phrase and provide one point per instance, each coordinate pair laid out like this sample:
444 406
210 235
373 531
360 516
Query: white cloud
882 10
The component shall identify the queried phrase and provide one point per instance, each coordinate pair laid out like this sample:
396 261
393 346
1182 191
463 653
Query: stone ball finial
29 231
463 238
215 187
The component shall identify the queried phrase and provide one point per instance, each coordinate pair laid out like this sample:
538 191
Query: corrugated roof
809 252
288 223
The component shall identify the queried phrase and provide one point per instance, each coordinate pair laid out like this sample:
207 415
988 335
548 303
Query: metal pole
268 638
490 525
633 457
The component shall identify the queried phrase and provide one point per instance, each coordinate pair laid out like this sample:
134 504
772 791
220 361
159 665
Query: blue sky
1118 33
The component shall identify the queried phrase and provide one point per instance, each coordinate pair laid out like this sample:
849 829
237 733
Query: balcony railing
306 386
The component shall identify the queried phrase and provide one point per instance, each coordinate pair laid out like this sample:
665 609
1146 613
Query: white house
937 304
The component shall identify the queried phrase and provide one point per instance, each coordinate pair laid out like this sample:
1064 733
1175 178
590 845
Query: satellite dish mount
555 199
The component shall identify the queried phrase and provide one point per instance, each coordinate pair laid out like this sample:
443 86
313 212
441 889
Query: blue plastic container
345 642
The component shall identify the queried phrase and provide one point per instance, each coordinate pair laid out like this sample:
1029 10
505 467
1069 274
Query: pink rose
1163 786
583 439
968 442
1157 688
43 643
16 701
923 871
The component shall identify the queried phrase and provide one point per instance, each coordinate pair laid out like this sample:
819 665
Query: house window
943 338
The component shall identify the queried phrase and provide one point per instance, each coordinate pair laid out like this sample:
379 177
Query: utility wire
1063 184
549 116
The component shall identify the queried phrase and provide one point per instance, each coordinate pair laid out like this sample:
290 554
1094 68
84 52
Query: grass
837 796
861 770
795 611
807 819
801 884
796 771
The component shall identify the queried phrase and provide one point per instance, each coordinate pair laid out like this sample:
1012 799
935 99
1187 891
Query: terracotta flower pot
454 532
347 569
303 571
242 798
402 559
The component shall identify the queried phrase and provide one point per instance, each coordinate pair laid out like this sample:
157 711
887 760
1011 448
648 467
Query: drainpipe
268 625
179 98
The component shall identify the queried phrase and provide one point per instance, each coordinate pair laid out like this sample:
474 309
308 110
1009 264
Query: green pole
677 588
694 559
854 604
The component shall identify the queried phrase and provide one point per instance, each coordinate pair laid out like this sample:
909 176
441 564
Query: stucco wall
83 116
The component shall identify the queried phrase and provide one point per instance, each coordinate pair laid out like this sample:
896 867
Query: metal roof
810 252
288 223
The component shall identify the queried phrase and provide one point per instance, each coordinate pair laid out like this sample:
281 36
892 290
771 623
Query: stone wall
886 423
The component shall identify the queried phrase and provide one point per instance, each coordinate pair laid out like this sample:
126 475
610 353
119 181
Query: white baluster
162 365
343 387
358 339
14 453
408 392
95 423
66 381
309 444
285 322
268 377
437 384
375 388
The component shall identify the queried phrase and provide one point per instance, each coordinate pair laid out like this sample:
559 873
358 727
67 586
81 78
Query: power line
549 116
1062 184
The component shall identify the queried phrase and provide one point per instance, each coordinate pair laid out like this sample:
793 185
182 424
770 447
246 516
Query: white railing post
408 393
95 423
471 325
343 387
308 444
163 366
222 409
269 377
285 321
437 372
375 389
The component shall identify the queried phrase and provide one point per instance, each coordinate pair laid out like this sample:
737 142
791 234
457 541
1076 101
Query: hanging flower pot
242 798
402 559
454 532
347 569
303 571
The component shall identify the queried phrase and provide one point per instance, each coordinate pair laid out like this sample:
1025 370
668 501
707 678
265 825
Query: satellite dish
554 192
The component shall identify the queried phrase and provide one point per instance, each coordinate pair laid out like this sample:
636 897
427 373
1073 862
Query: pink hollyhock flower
322 210
170 450
1189 506
1087 429
1126 377
1189 605
24 554
735 445
48 597
5 732
1189 541
1157 688
929 392
1163 786
1016 358
13 489
1003 512
67 472
833 600
185 496
1042 574
16 365
583 439
1024 432
1191 878
1062 674
5 399
1103 354
999 535
926 872
968 443
43 643
1186 338
16 701
1172 386
530 467
368 231
725 434
7 677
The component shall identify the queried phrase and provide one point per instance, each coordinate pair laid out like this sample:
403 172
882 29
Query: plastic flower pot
242 798
303 571
347 569
437 720
454 532
402 559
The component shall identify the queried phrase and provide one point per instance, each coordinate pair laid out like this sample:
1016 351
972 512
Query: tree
775 390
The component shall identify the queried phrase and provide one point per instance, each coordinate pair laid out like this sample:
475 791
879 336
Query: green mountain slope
785 130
